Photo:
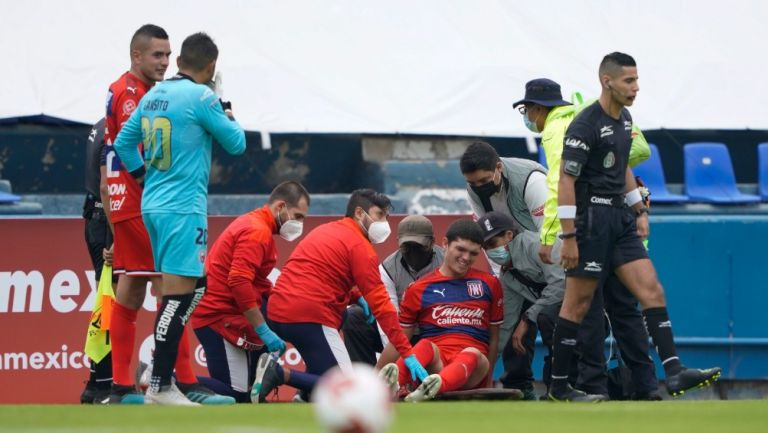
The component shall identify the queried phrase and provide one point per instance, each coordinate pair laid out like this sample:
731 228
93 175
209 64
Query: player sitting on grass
459 310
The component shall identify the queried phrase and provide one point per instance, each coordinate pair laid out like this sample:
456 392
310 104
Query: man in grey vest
417 256
517 187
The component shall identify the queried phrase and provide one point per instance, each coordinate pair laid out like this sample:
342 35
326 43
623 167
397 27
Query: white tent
433 67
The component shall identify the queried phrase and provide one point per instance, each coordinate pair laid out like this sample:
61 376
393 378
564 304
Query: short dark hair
145 32
367 198
289 191
478 156
197 51
614 61
465 229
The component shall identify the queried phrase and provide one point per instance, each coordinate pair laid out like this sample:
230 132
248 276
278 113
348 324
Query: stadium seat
762 170
542 157
6 194
651 172
422 174
709 175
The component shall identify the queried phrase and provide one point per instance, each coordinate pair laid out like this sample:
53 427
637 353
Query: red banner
47 291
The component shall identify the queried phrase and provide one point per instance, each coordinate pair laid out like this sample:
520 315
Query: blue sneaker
121 394
267 379
198 393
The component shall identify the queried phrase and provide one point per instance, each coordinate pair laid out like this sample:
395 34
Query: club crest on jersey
475 288
609 160
128 106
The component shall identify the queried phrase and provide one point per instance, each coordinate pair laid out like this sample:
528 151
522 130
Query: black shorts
607 238
97 238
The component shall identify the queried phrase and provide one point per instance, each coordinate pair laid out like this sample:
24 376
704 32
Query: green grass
440 417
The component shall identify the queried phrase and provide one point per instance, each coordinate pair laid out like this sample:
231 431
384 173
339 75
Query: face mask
378 231
487 189
417 256
500 255
291 229
531 125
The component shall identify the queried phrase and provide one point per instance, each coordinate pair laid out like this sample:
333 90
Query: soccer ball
354 401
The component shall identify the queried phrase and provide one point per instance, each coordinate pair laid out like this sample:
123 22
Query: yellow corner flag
97 344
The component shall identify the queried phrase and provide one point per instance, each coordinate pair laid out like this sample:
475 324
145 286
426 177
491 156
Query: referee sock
169 326
564 343
660 328
122 333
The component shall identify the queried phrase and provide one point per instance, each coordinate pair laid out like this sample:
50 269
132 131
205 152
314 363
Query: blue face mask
500 255
530 124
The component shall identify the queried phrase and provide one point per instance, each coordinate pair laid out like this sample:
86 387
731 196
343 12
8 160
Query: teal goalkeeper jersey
177 121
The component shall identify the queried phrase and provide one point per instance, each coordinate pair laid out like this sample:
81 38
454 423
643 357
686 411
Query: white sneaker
427 390
390 375
168 397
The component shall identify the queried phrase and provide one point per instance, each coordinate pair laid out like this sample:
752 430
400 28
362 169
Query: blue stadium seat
709 175
542 157
422 174
762 170
651 172
8 198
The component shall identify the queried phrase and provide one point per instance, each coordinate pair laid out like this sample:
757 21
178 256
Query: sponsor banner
47 292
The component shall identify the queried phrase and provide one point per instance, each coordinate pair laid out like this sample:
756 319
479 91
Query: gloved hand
273 342
366 310
417 370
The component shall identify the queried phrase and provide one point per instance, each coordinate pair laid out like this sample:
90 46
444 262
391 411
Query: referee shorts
607 238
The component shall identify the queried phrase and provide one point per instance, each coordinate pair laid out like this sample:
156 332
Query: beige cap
415 228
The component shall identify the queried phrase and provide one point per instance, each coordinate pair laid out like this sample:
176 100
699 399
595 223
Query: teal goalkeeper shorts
179 242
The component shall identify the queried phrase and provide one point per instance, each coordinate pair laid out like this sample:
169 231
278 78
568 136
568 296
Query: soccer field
442 417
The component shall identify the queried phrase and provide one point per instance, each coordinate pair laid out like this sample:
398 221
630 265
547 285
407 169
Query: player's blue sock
303 381
660 328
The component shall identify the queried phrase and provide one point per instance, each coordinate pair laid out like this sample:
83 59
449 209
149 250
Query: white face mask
378 231
291 229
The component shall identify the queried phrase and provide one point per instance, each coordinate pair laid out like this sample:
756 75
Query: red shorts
132 249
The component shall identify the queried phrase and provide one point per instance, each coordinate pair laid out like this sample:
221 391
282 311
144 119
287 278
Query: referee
602 234
98 239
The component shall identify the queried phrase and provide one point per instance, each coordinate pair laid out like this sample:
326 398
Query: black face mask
487 189
417 256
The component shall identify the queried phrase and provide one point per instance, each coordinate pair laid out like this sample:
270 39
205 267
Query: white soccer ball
355 401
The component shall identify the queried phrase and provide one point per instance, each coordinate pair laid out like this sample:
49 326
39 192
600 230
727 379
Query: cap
494 223
542 91
415 228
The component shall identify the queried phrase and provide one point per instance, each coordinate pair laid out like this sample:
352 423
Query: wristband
567 235
566 212
633 197
139 172
642 210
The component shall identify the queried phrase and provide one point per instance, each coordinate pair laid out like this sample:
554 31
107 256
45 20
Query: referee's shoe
574 395
689 378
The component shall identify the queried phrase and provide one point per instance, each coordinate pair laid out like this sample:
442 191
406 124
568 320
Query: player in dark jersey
603 220
458 310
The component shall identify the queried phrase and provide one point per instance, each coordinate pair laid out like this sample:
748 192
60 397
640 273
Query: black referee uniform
98 236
